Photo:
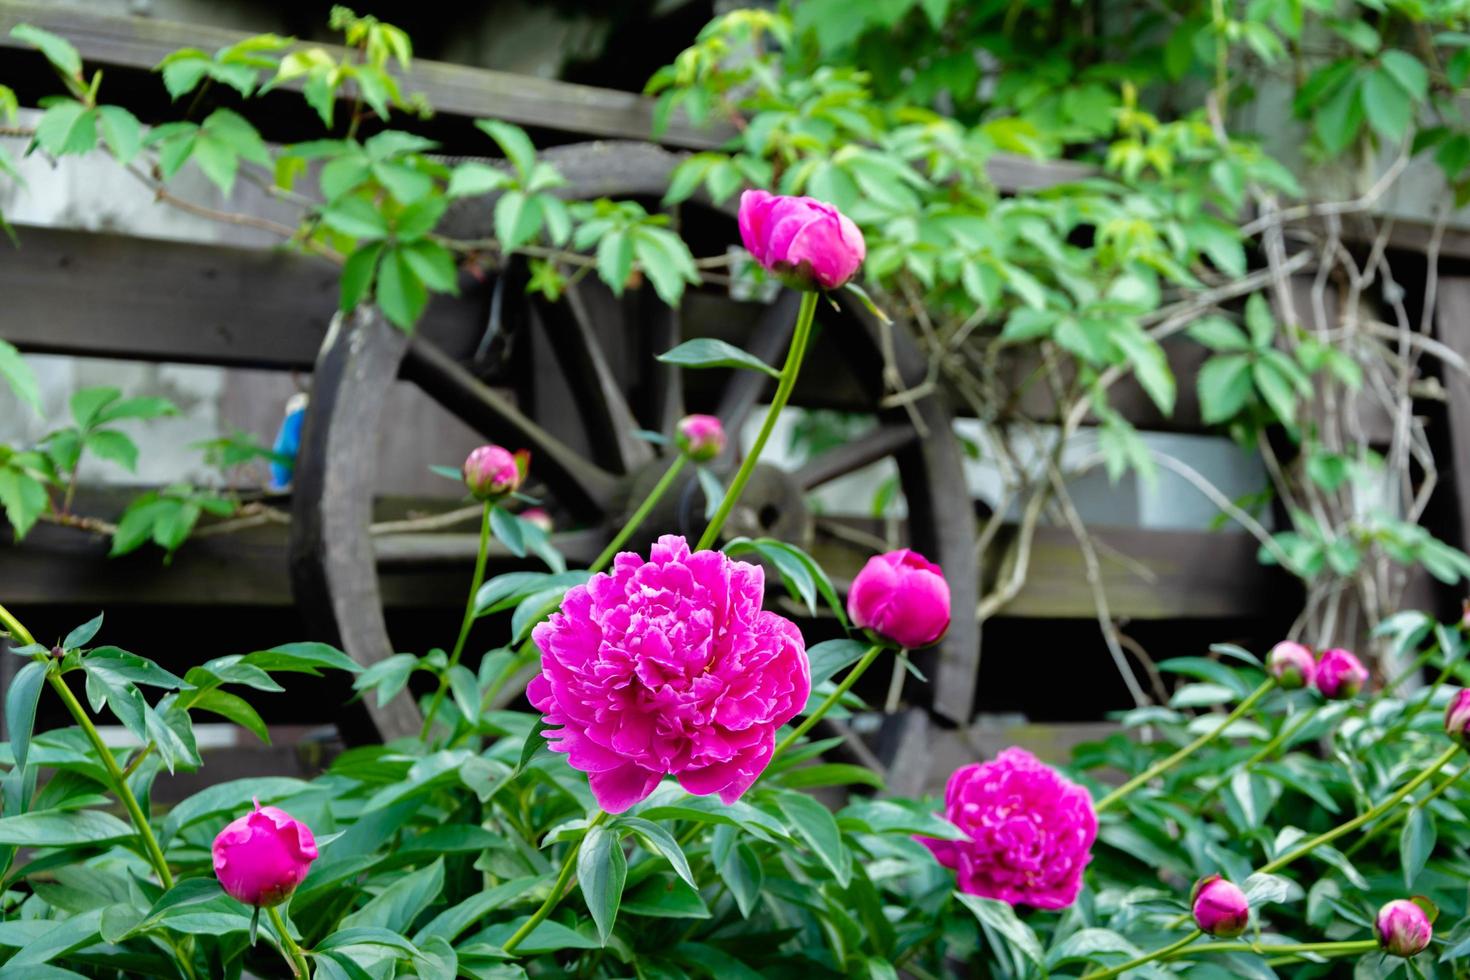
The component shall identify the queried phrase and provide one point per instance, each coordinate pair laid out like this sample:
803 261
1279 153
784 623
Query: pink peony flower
669 666
491 472
1340 675
261 857
700 437
1291 664
1403 928
1220 907
804 241
1030 831
1457 717
901 596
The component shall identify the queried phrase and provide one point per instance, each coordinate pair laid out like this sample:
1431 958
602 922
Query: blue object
288 443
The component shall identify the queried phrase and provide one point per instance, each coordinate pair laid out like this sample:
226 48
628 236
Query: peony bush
1287 816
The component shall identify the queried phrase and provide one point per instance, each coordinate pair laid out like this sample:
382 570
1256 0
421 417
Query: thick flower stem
104 755
1164 765
294 956
568 866
1164 953
831 699
1450 780
465 624
641 514
787 382
1442 760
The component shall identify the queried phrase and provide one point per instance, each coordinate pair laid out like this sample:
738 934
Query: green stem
641 514
568 865
294 956
119 780
1164 765
465 624
1371 814
895 682
1340 947
787 382
833 698
1286 732
1393 818
1159 954
1409 671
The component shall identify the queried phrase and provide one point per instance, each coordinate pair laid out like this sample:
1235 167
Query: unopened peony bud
492 472
539 518
1220 908
1403 928
261 857
1457 717
1291 664
700 437
901 596
807 243
1340 675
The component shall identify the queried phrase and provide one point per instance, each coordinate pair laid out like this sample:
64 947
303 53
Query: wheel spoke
609 422
853 456
768 342
581 486
664 401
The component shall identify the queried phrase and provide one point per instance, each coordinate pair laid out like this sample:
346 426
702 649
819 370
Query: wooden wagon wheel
584 380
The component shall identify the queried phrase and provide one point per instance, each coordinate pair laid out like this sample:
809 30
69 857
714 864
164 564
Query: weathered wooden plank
73 292
140 43
1452 324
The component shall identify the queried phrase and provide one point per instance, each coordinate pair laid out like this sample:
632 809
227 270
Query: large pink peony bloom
669 666
1030 829
804 241
261 857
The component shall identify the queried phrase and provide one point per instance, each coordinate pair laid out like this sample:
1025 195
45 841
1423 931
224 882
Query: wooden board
140 43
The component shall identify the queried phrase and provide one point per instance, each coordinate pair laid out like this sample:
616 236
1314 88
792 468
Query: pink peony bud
539 518
805 242
1403 928
1465 613
901 596
1292 664
492 472
262 857
1220 908
1457 717
1340 675
700 437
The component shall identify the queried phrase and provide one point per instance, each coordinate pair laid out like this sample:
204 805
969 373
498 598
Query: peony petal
618 789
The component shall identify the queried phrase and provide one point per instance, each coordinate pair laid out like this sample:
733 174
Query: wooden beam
105 295
140 43
1452 325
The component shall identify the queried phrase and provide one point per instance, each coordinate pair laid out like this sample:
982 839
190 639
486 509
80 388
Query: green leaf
61 828
355 218
57 50
1001 918
818 827
357 275
1276 389
135 408
418 219
400 294
396 907
707 352
236 709
514 143
1337 123
1388 107
1224 385
18 375
471 179
122 131
21 699
741 870
508 531
67 127
112 445
659 841
1150 366
602 869
517 219
830 656
24 499
831 774
665 896
615 260
225 801
1416 843
218 161
305 658
1218 333
433 264
1408 71
83 634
